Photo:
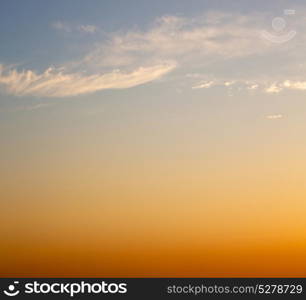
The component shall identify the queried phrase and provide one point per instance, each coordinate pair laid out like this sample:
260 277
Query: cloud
227 47
38 106
34 107
68 28
274 117
87 28
252 86
61 26
295 85
239 84
229 83
213 35
203 85
261 85
56 83
273 89
277 87
213 42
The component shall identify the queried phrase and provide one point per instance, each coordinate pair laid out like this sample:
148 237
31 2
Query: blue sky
25 27
77 60
77 37
91 57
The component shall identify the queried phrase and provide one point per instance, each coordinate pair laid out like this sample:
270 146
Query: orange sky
161 140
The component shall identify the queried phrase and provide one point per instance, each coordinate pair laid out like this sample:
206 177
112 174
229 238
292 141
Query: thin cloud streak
68 28
56 83
274 117
261 85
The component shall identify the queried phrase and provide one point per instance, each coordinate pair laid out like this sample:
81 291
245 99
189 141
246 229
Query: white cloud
252 86
87 28
61 26
64 26
273 89
203 85
277 87
198 40
56 83
295 85
274 117
262 85
199 43
229 83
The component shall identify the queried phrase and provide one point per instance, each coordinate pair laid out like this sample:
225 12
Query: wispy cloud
273 89
61 26
277 87
213 39
253 86
261 85
203 85
87 28
212 42
186 40
295 85
274 117
38 106
56 83
66 27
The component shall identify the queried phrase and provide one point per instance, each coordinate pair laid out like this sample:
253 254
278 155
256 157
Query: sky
152 138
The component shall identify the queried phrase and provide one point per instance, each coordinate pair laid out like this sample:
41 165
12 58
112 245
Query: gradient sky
143 138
